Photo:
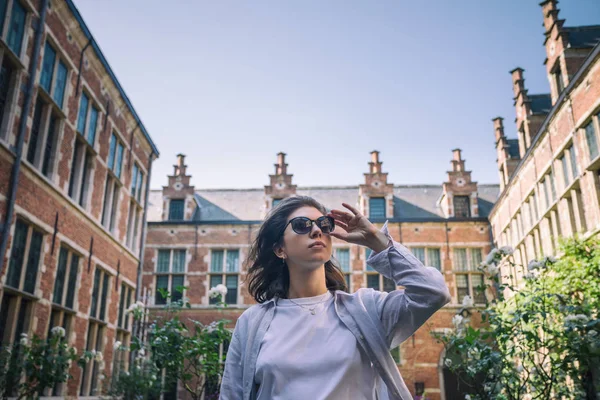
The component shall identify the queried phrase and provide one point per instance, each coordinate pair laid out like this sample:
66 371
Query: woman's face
310 250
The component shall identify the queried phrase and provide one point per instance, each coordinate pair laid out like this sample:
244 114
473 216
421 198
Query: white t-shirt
305 356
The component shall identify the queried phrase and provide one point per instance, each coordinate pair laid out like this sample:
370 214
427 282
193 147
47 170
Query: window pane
83 108
178 261
16 29
95 293
163 261
462 207
61 84
59 281
419 252
376 207
373 281
3 6
434 258
176 282
565 168
592 141
111 151
552 185
476 259
233 259
478 296
6 73
214 281
134 179
276 201
91 135
49 148
176 209
35 249
462 286
48 67
105 286
343 257
347 278
121 306
119 160
231 281
17 255
36 128
367 255
460 259
140 183
216 261
573 160
162 282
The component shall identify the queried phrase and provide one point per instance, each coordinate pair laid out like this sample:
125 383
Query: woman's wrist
378 242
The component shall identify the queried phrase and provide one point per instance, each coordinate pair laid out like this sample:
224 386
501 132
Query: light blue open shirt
380 321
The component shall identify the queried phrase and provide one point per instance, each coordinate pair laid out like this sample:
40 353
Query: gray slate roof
581 37
540 103
410 202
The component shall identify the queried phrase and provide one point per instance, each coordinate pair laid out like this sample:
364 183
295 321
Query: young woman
308 339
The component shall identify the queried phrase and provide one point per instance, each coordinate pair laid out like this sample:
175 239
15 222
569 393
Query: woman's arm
403 311
231 384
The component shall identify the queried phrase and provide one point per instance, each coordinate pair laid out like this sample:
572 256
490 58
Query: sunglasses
303 225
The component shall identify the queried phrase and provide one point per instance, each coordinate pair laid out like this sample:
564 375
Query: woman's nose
315 231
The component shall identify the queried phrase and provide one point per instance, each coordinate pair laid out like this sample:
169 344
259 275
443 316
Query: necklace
310 309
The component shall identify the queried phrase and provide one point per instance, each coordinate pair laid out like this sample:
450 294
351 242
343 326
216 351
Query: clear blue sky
230 84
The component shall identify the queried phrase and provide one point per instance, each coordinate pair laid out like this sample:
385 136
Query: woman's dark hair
268 276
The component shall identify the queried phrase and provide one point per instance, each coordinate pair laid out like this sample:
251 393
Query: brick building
199 238
550 174
74 164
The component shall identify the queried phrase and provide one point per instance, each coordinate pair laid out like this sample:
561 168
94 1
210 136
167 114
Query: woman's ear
279 252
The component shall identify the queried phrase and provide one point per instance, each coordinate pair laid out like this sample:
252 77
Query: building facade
550 174
198 238
74 165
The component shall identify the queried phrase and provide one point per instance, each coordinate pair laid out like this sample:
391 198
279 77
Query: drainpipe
144 231
81 66
14 177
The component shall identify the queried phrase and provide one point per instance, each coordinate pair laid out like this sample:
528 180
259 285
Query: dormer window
558 78
376 208
176 209
462 207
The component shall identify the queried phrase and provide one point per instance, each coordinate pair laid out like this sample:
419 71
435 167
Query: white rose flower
142 352
457 321
534 265
506 250
491 257
211 327
592 334
222 289
467 302
24 341
58 331
492 270
577 319
212 293
117 345
99 357
448 362
467 397
101 377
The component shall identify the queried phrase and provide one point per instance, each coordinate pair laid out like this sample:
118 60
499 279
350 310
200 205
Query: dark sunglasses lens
326 224
302 225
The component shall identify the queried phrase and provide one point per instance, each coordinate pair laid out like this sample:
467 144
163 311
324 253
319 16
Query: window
115 156
170 270
374 279
397 354
81 171
224 269
16 307
133 225
24 257
110 207
276 201
63 298
16 24
558 78
176 209
343 257
428 256
137 182
43 137
591 138
121 357
550 181
87 119
419 389
468 277
96 330
534 207
9 75
462 207
54 75
377 208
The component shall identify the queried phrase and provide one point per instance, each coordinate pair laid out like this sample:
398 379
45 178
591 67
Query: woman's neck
307 283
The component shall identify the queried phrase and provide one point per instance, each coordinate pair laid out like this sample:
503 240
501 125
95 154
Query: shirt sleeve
231 384
403 311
